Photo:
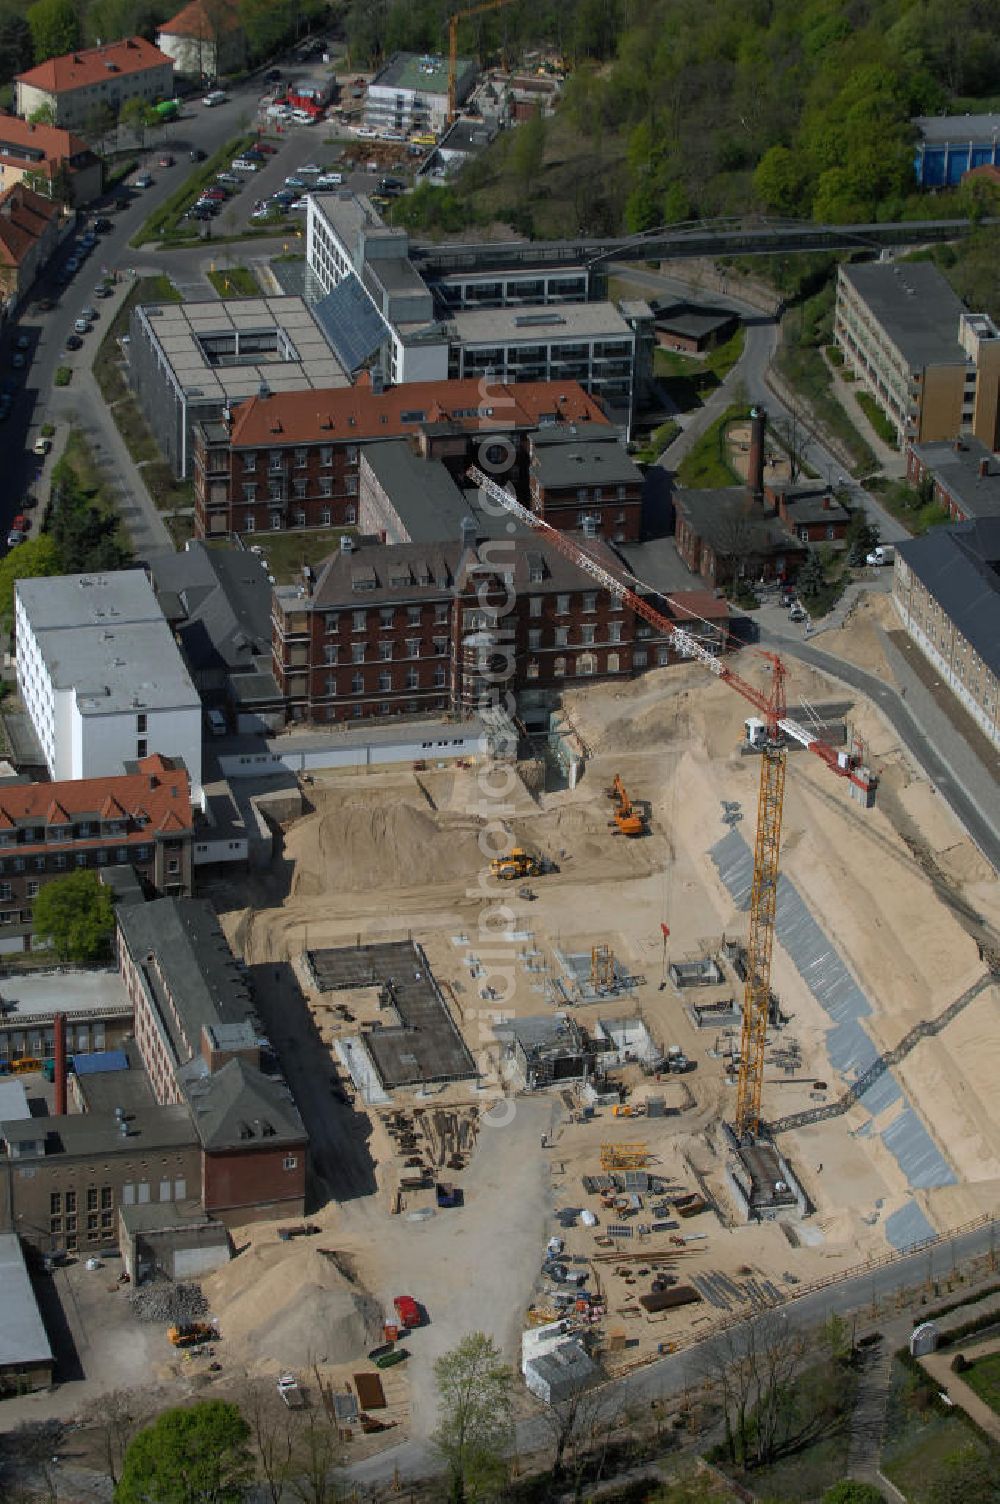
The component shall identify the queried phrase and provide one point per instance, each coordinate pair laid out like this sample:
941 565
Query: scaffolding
602 968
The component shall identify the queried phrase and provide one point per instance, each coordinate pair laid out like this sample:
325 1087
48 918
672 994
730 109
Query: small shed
924 1339
176 1238
560 1374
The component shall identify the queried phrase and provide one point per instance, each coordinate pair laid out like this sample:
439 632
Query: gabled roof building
77 84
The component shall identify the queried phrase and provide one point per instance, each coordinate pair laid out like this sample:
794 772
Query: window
440 676
275 490
358 652
107 1198
290 1162
92 1198
351 454
562 605
326 456
358 685
249 523
590 601
350 515
141 747
413 647
300 519
385 651
535 639
385 681
173 867
330 652
140 724
274 462
663 656
359 621
32 888
559 667
331 621
562 637
6 892
250 462
324 517
121 854
615 631
440 646
81 859
300 459
249 493
534 605
71 1202
142 853
412 678
55 1203
299 489
386 617
587 634
586 664
59 861
441 614
325 487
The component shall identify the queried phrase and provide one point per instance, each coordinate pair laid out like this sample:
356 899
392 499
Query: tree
32 560
967 1475
15 44
55 28
850 1492
315 1455
195 1455
271 1433
779 180
137 117
44 115
811 579
115 1417
475 1400
75 915
753 1366
862 536
528 150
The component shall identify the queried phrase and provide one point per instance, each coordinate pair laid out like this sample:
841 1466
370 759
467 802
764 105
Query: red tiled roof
79 70
196 21
160 790
349 414
56 143
24 216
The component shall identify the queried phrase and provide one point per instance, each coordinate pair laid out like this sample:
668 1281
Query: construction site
602 1078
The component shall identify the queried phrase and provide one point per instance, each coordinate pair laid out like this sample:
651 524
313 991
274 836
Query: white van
883 554
330 180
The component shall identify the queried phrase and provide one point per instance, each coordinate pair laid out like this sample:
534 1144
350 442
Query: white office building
101 677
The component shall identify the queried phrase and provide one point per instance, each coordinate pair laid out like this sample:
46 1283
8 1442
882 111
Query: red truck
408 1311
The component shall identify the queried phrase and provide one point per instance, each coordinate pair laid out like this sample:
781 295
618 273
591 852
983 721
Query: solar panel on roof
351 323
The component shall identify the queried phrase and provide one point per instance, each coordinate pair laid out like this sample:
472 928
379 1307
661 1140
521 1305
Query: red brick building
196 1032
407 629
578 480
141 819
287 460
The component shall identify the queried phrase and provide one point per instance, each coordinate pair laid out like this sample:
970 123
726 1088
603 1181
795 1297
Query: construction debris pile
164 1301
429 1140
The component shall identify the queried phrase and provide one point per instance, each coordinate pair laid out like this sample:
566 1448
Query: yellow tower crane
778 730
476 10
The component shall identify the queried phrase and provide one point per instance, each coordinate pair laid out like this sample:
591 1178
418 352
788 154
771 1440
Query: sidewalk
891 460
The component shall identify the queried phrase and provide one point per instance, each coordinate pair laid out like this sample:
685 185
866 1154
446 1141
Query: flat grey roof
558 321
158 1216
957 466
69 601
915 306
425 73
121 667
13 1101
179 328
350 215
23 1338
938 130
585 464
81 994
87 1133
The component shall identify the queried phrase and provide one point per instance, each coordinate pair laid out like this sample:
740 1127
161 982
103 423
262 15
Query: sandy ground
396 853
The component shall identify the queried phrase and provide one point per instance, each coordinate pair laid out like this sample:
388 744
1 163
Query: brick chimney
59 1061
755 464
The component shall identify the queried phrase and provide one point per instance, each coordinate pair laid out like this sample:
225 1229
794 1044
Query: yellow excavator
518 863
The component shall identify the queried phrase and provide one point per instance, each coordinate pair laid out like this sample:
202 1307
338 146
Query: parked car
267 148
228 180
329 180
391 185
103 290
298 206
73 342
196 154
218 195
18 360
797 612
20 523
144 180
72 265
308 170
214 97
408 1311
14 538
243 164
24 342
81 326
103 225
166 160
90 312
41 446
294 182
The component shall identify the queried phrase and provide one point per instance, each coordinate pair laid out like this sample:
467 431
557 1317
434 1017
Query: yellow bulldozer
190 1333
518 863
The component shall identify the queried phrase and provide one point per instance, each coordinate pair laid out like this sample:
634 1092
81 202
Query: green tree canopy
31 560
475 1398
847 1491
16 50
75 915
55 27
193 1455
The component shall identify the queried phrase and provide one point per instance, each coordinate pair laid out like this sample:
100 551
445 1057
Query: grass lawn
689 379
235 282
983 1377
170 495
803 1477
921 1434
167 222
706 465
285 553
803 367
79 457
878 418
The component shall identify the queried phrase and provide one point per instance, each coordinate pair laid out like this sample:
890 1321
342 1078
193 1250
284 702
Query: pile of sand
360 846
293 1308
